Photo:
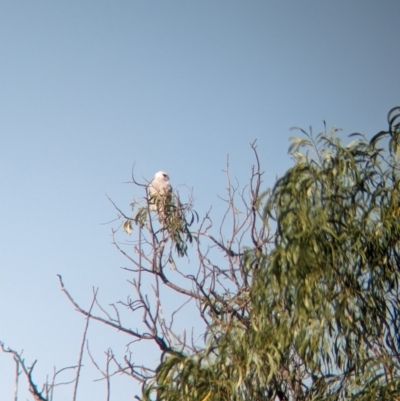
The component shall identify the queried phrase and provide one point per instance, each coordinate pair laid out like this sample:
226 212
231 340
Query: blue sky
91 88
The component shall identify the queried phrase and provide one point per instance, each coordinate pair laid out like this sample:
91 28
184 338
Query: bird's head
162 175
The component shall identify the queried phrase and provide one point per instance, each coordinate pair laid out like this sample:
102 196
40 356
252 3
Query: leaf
298 143
374 140
353 143
207 396
393 114
127 227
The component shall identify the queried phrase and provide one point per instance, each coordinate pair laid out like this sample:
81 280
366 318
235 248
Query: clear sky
90 88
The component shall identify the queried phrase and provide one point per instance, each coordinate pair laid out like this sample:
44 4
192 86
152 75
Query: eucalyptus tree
315 315
295 290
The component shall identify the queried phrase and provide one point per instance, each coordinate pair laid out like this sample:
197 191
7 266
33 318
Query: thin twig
83 345
17 373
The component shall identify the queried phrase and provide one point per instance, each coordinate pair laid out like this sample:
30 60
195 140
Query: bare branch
37 395
17 374
160 342
78 371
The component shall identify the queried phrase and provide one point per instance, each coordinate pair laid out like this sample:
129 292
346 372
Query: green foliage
174 217
322 314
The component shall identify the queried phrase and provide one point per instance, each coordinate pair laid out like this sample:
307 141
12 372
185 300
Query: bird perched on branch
171 212
159 193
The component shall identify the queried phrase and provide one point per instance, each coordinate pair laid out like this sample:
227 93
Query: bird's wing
159 186
167 188
151 189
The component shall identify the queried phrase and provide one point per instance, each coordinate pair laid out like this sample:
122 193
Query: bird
159 194
171 213
160 184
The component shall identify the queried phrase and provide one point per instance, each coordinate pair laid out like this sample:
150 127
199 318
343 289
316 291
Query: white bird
160 184
159 193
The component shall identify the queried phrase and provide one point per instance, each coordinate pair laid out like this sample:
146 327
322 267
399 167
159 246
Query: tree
298 293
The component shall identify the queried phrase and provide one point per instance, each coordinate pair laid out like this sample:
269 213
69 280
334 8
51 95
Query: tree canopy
296 292
316 313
